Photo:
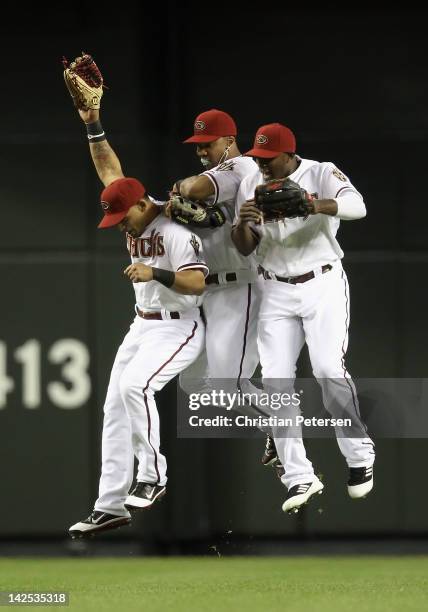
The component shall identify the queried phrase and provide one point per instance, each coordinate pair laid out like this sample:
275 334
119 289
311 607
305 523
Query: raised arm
105 160
85 84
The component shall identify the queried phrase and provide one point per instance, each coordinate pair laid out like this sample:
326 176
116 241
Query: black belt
293 280
213 279
157 315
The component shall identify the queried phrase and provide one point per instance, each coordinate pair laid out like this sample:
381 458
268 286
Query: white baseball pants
152 353
231 313
317 312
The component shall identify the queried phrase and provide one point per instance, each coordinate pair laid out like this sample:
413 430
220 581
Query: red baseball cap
211 125
271 140
118 197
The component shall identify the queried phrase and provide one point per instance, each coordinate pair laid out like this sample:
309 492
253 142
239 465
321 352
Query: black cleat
270 455
360 481
144 495
300 494
97 521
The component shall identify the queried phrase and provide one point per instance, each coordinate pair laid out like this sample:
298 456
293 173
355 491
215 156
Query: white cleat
300 494
97 521
360 482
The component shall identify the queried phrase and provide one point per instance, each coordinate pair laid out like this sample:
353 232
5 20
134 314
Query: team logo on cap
261 139
105 205
200 126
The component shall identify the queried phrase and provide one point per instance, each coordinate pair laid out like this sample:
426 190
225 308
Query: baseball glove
282 198
195 214
84 82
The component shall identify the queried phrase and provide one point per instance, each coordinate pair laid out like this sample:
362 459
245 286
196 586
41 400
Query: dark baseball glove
194 214
282 198
84 82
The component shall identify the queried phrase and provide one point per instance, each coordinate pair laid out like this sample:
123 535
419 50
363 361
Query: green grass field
255 583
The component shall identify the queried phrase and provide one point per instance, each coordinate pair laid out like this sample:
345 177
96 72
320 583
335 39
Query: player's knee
329 371
186 384
281 373
131 390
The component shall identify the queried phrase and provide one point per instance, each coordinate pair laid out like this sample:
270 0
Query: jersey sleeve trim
197 265
344 187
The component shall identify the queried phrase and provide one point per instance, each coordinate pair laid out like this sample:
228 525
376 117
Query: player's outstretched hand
89 116
139 273
249 213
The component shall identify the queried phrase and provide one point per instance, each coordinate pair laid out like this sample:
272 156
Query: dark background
352 86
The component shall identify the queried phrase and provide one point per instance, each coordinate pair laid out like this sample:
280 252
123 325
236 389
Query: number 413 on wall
72 391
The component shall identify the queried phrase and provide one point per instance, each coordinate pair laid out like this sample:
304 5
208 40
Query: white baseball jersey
220 253
170 246
151 354
315 311
295 246
230 308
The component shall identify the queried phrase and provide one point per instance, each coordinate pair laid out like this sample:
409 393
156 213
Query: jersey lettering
146 247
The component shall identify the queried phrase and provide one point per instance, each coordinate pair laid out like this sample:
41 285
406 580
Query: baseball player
166 336
305 298
232 296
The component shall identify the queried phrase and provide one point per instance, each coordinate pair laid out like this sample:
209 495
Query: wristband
164 277
95 131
